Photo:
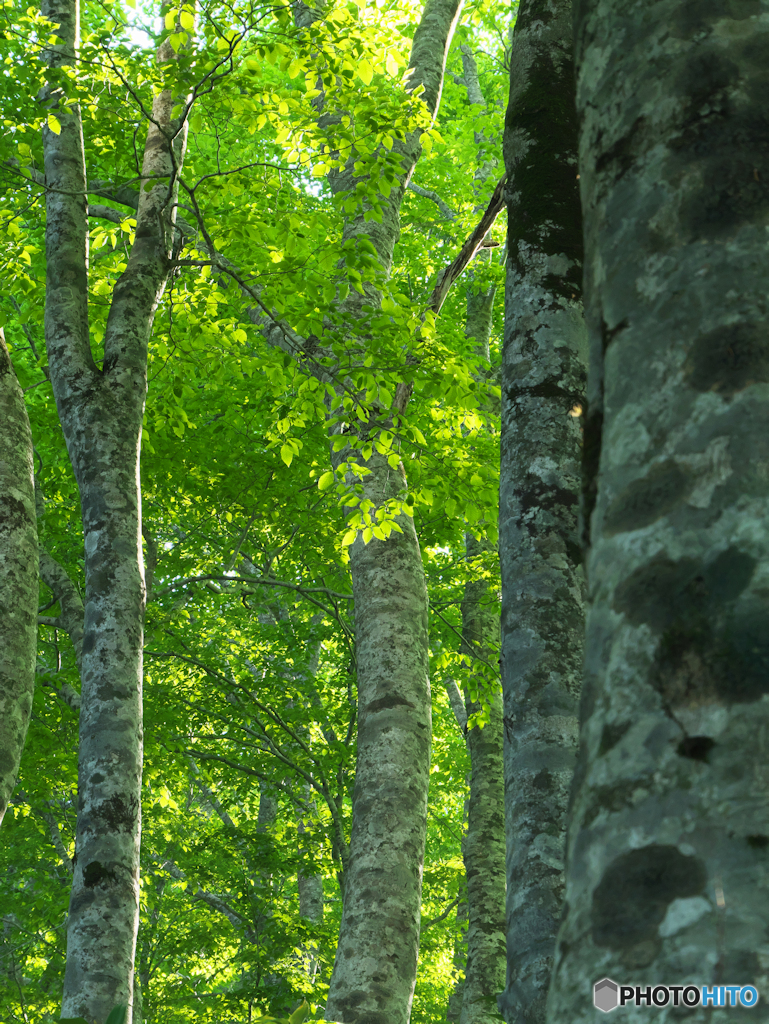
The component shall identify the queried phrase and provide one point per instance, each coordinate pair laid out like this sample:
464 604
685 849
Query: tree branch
470 247
427 193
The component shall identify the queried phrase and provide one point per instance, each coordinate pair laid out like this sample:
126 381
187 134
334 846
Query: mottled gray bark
668 879
459 959
309 883
483 847
18 576
376 959
100 409
543 382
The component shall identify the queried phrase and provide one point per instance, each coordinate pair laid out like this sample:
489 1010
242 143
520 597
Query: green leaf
299 1013
117 1015
54 124
187 21
326 480
287 454
365 72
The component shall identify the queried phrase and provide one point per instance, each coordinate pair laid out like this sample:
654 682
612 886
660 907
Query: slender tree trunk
101 410
543 382
376 959
668 879
483 848
18 576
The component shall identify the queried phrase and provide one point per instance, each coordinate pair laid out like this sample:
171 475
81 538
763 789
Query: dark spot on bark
651 593
692 17
622 155
632 898
757 842
724 141
698 664
95 872
89 641
606 798
591 458
574 551
710 648
704 77
385 703
611 735
541 781
740 964
551 387
696 747
117 813
609 334
663 592
729 574
648 499
13 513
541 496
96 778
547 214
729 358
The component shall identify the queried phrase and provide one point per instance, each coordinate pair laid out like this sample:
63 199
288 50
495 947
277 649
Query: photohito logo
608 995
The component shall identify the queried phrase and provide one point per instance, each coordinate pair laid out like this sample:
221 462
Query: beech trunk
100 409
376 958
668 879
543 387
18 576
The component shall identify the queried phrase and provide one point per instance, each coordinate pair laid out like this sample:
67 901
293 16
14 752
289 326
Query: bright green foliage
250 660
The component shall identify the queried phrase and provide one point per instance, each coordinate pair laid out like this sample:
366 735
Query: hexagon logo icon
606 995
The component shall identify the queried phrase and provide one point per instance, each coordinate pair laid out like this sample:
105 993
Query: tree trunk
543 381
18 576
376 958
101 410
668 879
483 848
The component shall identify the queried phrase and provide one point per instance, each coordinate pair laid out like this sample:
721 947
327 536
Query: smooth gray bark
18 576
668 879
543 384
100 410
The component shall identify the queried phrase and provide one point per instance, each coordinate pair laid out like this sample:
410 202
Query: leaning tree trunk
18 576
101 410
543 381
668 878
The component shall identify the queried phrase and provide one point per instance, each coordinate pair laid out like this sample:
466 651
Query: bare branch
457 704
427 193
440 917
470 247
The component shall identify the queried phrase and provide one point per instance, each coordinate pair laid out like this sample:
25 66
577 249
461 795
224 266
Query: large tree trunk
18 576
101 410
668 879
543 382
